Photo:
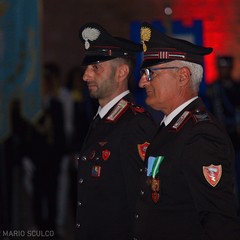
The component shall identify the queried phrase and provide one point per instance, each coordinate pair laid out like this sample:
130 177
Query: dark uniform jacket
191 195
109 171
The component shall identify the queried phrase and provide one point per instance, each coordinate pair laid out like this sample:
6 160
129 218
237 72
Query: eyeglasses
150 71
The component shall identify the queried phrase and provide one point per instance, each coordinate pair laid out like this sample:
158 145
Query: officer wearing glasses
187 188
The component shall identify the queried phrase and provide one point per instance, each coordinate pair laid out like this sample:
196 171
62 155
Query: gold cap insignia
90 34
145 36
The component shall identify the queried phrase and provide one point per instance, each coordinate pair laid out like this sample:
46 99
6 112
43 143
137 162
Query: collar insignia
181 121
145 36
90 34
212 174
118 110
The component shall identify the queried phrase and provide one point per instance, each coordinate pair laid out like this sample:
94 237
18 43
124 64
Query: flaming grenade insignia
90 34
145 36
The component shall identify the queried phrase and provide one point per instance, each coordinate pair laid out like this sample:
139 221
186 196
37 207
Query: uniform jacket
192 198
109 171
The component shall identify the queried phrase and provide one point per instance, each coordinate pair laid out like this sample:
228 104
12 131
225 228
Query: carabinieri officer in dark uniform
111 159
187 191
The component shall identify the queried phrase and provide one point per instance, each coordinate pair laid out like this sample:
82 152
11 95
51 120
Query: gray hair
195 69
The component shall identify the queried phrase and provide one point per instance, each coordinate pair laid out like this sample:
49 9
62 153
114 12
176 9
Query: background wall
62 19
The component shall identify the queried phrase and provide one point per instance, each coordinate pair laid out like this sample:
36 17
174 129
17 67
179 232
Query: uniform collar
167 119
102 111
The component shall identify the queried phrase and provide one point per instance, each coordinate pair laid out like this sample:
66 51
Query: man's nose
143 81
87 74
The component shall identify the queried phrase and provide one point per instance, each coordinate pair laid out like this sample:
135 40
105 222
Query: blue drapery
20 60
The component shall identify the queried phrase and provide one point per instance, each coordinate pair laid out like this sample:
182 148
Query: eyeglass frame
149 71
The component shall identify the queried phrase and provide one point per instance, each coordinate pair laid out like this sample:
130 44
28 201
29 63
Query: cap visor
95 59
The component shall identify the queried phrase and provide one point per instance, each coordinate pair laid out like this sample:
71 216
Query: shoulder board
197 115
181 121
200 115
118 110
137 109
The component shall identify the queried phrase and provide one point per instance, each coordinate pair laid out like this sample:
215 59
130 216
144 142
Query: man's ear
184 75
123 71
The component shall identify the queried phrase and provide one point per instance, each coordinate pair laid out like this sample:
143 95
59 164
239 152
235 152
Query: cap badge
145 36
90 34
212 174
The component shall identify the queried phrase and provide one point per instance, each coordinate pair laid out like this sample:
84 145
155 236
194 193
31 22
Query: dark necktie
95 121
162 125
91 130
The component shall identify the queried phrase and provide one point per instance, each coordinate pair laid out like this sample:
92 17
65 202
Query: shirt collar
102 111
167 119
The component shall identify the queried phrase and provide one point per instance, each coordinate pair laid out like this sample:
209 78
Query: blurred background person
47 153
16 149
223 99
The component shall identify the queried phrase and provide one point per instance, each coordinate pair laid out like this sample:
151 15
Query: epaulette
118 110
137 109
197 115
200 115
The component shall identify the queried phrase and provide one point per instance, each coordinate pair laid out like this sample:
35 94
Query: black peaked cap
159 48
100 45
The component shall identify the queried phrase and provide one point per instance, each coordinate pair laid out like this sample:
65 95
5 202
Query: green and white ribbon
156 165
